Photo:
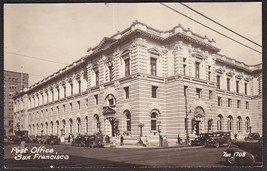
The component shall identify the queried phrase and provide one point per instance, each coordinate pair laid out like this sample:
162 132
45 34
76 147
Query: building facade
146 82
13 82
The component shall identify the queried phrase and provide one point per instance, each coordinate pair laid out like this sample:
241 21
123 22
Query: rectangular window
79 104
126 91
57 109
65 94
210 95
238 103
71 89
228 84
127 67
70 106
58 94
246 88
209 75
197 69
97 78
153 66
218 81
154 91
64 109
184 60
185 90
79 86
247 105
110 73
52 91
237 86
96 99
219 101
184 69
198 92
229 102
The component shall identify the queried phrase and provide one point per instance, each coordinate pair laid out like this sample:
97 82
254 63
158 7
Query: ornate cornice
230 73
239 76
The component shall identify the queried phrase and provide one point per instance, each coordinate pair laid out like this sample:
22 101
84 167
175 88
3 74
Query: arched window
154 116
46 128
128 120
86 124
78 124
230 123
30 129
33 129
110 99
210 125
51 127
57 125
247 123
96 122
219 122
42 128
71 123
239 121
37 129
63 126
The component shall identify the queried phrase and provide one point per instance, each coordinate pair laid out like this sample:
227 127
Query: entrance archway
197 121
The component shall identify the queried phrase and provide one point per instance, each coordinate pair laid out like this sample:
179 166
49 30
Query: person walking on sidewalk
122 138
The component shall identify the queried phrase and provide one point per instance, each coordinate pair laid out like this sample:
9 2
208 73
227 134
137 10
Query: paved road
120 157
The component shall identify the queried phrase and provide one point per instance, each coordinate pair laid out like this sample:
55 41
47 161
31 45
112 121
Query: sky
63 32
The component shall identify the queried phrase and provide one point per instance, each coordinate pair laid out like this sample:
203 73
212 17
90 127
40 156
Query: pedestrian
122 140
235 137
178 140
145 141
69 139
160 140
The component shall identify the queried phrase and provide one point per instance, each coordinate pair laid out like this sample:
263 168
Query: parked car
244 153
219 139
95 140
253 136
200 140
52 140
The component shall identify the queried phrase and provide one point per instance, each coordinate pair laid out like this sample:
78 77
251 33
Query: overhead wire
35 58
220 24
210 28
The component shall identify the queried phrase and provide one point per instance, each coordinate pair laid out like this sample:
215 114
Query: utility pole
186 119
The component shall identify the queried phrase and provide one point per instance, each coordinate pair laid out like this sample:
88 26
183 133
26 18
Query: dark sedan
244 153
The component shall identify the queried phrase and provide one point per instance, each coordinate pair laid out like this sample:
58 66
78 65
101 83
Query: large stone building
143 81
13 82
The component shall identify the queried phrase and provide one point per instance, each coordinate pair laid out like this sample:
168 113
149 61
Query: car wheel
232 160
217 144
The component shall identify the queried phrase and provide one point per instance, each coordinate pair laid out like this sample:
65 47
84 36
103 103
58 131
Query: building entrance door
111 122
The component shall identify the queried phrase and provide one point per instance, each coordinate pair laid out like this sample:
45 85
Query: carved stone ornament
248 78
239 76
220 70
116 85
101 89
230 73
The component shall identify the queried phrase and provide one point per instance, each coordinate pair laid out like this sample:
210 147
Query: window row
228 85
230 122
229 103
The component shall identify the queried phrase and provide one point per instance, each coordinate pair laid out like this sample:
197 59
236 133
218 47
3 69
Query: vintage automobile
253 136
21 135
244 153
52 140
95 140
201 138
218 139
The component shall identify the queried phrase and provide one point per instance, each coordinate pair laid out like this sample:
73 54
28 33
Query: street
117 157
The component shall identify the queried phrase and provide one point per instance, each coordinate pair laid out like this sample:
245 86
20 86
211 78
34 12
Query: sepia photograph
133 85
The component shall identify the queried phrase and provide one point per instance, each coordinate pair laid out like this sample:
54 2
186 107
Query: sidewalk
152 147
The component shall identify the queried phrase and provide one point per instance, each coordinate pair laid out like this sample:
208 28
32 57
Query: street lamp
141 125
186 120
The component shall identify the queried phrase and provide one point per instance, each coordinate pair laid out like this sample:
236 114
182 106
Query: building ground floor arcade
131 109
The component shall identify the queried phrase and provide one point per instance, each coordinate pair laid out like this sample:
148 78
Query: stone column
177 51
89 75
164 62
